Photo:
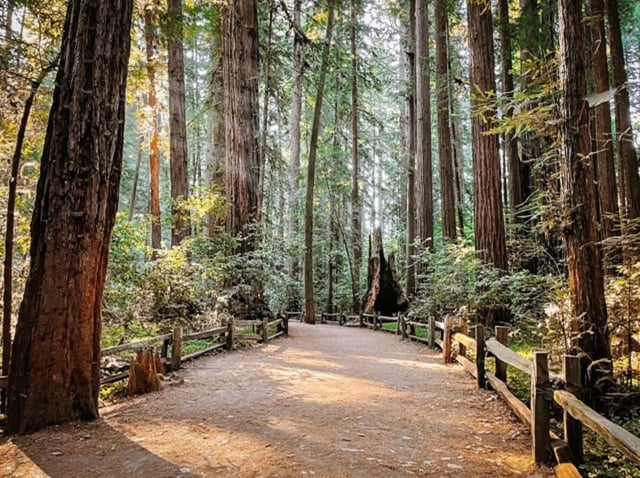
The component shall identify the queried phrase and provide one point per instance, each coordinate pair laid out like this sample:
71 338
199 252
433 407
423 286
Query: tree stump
143 374
384 292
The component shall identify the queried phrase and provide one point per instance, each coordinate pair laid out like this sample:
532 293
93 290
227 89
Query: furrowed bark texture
54 374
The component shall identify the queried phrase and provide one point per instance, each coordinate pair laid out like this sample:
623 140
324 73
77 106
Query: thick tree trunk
384 293
177 125
309 304
586 282
489 225
411 139
447 179
54 373
154 147
356 208
293 299
242 163
627 159
605 170
424 170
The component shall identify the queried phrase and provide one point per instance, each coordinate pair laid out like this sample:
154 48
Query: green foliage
457 282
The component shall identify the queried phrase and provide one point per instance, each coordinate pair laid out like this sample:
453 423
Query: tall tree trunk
356 208
294 166
177 125
154 148
216 136
242 163
489 225
423 158
447 186
516 195
586 282
265 112
136 177
605 170
54 372
309 305
627 159
411 193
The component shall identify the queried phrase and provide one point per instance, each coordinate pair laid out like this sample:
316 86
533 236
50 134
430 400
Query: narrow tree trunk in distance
489 225
605 170
586 284
447 186
424 169
628 161
411 194
265 113
54 374
242 163
215 157
309 309
154 148
516 195
293 302
177 125
356 209
7 292
136 177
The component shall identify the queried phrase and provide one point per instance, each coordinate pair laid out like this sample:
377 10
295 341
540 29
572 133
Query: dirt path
326 402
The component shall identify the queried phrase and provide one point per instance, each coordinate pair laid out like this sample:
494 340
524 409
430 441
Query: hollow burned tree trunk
384 292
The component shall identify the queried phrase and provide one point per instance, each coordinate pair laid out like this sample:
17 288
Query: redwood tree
489 225
177 124
54 373
240 80
586 284
445 157
309 304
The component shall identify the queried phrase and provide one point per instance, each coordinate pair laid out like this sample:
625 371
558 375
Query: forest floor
325 402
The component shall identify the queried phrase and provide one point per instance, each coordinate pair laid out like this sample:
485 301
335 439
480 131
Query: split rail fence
226 337
565 390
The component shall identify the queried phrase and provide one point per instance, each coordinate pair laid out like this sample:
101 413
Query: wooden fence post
482 381
375 321
446 341
540 397
285 325
403 326
230 337
265 330
176 349
502 334
572 427
432 332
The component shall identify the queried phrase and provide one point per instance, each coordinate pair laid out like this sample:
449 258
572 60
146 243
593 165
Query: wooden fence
225 337
473 351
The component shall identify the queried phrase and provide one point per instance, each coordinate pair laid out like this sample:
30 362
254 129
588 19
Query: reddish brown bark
54 373
240 76
447 183
177 125
586 282
423 158
411 143
489 225
154 148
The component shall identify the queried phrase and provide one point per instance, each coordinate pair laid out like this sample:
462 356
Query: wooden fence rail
225 337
